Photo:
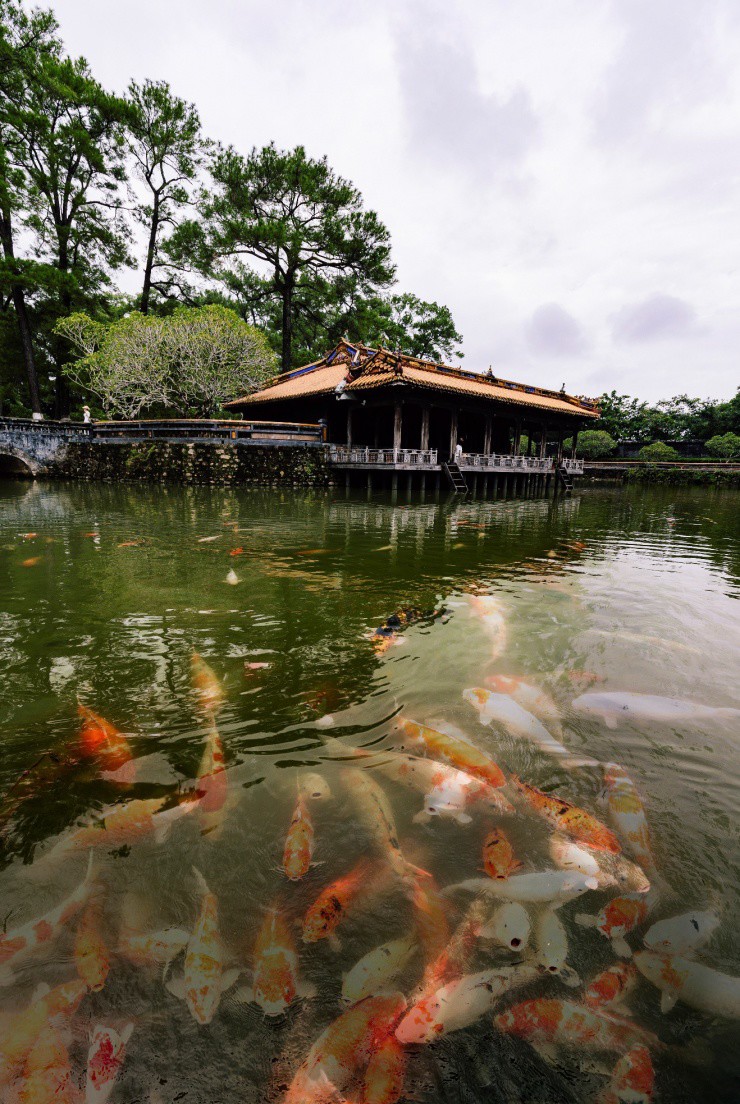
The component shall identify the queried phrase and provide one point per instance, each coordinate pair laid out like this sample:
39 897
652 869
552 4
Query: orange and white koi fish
490 613
123 824
18 943
633 1080
313 786
332 905
101 740
91 954
372 973
498 855
612 986
448 792
568 818
552 948
546 1023
430 916
275 983
385 1074
627 814
204 979
156 948
208 689
692 983
460 1003
212 786
608 869
26 1026
47 1072
344 1048
619 917
507 712
104 1060
298 849
531 698
457 752
376 815
509 926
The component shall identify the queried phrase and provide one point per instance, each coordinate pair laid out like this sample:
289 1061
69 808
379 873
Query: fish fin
596 1065
569 977
126 1032
621 947
307 991
318 862
585 920
244 994
547 1052
516 865
610 722
335 942
40 991
421 817
202 884
230 977
176 986
162 831
463 818
668 999
415 871
7 977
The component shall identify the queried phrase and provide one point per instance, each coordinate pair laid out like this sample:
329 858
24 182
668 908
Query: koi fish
332 904
498 855
615 706
618 918
313 786
18 943
385 1073
212 786
509 926
507 712
459 754
91 954
298 843
568 818
156 948
681 979
346 1046
608 869
100 739
531 698
460 1003
208 689
490 613
633 1080
431 925
47 1073
375 969
204 979
26 1026
275 982
538 888
376 815
448 792
231 577
123 824
32 561
681 934
552 948
611 986
546 1023
627 814
104 1060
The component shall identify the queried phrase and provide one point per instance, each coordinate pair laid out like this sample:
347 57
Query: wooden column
453 432
543 442
487 434
575 444
517 436
397 423
349 425
424 428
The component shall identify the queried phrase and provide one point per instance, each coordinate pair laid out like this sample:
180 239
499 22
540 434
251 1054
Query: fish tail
585 920
202 883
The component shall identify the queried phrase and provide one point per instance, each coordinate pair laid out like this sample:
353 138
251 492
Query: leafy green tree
297 222
657 452
726 446
168 149
593 444
188 363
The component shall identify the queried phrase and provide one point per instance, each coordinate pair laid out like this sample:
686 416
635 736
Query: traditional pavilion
385 409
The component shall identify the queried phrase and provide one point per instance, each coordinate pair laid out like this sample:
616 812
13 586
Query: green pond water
105 594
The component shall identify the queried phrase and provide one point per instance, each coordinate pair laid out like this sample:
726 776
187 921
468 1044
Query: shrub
593 444
657 452
726 446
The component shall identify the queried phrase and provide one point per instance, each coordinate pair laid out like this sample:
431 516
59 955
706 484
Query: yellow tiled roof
363 369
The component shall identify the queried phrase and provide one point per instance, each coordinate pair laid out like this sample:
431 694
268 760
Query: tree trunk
21 313
287 335
146 290
61 388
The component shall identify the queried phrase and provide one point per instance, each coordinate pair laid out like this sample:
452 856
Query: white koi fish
532 698
370 975
608 869
156 948
460 1003
552 948
509 926
507 712
627 814
491 615
104 1060
681 934
313 786
448 792
540 888
624 706
681 979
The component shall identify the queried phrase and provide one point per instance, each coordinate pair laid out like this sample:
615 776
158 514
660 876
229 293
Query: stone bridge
30 448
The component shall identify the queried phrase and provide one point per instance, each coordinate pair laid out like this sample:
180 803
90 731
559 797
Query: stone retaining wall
200 463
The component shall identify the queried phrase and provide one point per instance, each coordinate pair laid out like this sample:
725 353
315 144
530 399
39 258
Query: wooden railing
372 457
482 461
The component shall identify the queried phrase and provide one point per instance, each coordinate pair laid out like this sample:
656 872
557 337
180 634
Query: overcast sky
563 174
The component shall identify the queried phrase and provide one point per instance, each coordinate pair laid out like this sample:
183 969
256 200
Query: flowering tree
188 363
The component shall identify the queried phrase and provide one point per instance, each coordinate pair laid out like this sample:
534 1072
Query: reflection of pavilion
387 412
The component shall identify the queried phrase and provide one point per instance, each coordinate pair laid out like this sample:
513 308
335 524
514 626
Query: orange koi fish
633 1080
330 907
18 943
432 928
124 824
545 1022
212 785
47 1073
568 818
299 842
498 855
208 689
204 959
385 1073
612 986
619 917
27 1026
344 1048
101 740
32 561
104 1060
275 984
458 753
91 954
